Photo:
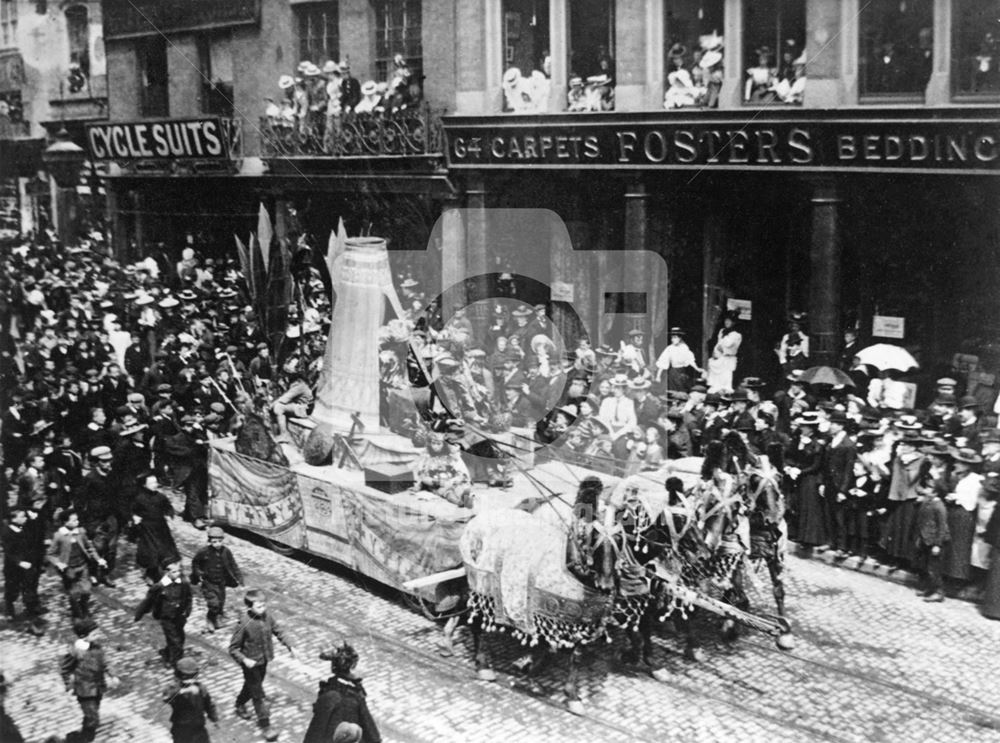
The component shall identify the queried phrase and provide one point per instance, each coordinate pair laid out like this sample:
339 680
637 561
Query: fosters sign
644 141
201 139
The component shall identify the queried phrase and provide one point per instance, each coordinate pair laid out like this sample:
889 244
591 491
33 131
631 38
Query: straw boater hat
131 425
967 456
144 299
285 82
368 88
168 302
619 380
639 383
331 68
511 76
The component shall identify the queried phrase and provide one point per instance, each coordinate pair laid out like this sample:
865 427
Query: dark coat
341 700
84 672
210 562
155 542
838 469
932 523
191 705
172 601
252 638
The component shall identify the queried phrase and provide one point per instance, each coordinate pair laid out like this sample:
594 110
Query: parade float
340 487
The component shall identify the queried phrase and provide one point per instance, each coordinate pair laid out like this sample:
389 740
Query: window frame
887 97
8 24
209 90
410 37
303 14
149 108
79 10
954 62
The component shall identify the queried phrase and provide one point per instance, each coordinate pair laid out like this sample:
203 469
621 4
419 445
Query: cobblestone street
872 663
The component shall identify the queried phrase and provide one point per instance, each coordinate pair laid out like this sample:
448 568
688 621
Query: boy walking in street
70 552
85 673
169 600
252 647
191 705
215 568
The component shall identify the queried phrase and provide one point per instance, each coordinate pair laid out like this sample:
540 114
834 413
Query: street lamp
64 160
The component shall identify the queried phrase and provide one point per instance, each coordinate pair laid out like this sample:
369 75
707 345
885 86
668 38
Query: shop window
153 76
975 62
8 23
774 34
527 66
592 55
897 42
398 45
694 53
215 55
319 32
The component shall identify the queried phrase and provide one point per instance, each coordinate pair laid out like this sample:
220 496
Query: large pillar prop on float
349 380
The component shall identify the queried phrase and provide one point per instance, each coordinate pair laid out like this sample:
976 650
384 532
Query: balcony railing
407 133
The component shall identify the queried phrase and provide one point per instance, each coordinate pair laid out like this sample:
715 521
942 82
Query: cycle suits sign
177 139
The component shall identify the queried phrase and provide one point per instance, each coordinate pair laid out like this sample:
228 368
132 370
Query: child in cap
215 568
70 554
191 704
252 647
169 600
85 673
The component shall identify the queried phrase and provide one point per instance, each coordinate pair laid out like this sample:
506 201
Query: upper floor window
527 65
78 32
774 34
152 57
318 31
8 22
592 55
975 49
398 34
897 47
694 53
215 57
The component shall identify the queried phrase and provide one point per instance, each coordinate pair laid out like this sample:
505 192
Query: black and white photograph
481 371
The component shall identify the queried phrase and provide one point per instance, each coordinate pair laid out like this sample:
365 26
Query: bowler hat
739 395
946 399
990 436
744 423
838 416
752 383
713 399
968 402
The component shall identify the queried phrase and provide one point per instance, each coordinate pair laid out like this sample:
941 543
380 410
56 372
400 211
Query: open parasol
885 356
826 375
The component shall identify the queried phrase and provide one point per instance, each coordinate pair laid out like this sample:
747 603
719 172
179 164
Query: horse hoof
575 706
785 641
662 675
486 674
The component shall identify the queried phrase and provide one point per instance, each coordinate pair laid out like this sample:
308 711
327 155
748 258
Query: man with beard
96 504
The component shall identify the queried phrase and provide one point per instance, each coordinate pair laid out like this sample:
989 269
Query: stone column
559 49
637 238
477 266
824 273
733 62
939 86
117 235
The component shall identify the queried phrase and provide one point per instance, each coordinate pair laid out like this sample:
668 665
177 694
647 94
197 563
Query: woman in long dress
150 511
807 455
909 467
722 364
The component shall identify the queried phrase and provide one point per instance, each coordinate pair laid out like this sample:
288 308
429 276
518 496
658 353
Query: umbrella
887 356
826 375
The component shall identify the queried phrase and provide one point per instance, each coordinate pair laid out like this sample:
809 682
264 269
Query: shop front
850 216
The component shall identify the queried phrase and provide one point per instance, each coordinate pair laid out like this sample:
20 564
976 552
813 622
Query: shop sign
643 141
743 306
884 326
561 292
176 139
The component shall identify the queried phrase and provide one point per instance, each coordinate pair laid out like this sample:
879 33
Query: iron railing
407 133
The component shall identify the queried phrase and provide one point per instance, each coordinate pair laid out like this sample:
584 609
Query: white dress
722 365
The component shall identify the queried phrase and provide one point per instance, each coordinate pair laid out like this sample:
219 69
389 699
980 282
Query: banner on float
174 139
